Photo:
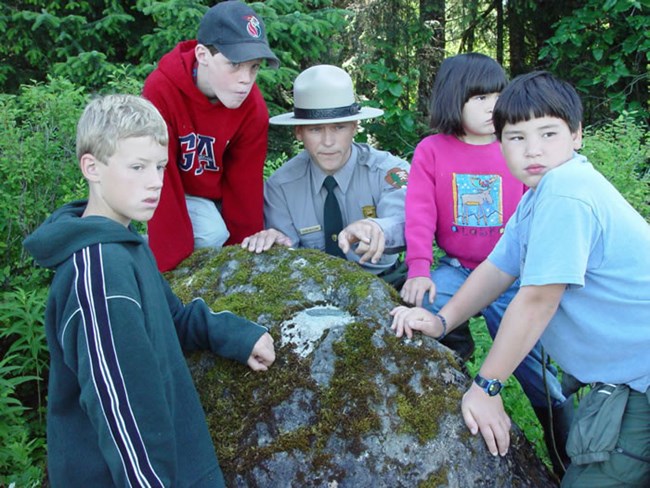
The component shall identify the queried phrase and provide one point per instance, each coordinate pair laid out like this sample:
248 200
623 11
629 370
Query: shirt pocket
313 240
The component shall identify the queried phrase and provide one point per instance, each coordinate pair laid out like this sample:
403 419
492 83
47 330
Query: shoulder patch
397 177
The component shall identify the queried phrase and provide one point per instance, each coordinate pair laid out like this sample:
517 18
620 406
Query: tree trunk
430 55
530 24
499 9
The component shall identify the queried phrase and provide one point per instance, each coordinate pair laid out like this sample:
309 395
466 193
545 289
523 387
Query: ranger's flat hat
323 94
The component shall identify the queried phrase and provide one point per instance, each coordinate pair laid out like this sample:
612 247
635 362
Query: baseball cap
237 32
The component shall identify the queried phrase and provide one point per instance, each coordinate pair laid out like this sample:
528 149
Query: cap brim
247 51
290 119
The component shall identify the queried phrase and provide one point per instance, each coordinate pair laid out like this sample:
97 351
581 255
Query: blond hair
108 119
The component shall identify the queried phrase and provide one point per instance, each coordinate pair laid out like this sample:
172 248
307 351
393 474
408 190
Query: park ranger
341 197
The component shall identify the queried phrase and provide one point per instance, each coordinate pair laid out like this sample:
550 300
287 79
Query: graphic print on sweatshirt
197 153
478 200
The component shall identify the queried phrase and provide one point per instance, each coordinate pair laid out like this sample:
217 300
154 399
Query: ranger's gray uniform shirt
372 184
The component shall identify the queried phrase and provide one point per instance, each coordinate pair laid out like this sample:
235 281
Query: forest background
55 55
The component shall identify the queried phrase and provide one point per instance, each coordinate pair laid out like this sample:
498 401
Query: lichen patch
305 329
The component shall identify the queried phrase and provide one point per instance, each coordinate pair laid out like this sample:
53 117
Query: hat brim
290 119
247 51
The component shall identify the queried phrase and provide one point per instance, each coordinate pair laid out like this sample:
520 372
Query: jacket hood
178 66
64 232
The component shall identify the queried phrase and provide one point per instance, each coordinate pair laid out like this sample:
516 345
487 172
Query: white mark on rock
306 328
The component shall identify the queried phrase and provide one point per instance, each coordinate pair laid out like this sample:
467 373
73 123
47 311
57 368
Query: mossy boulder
346 403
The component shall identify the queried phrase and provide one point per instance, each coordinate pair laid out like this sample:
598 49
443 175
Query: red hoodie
214 152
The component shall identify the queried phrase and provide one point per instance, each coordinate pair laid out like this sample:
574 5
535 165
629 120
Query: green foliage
22 458
384 65
621 152
87 42
22 313
22 451
22 443
603 50
37 163
74 38
174 21
400 128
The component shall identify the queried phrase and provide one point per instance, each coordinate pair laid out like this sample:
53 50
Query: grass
514 399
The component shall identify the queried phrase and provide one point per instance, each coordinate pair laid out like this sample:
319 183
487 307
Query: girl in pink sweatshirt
460 196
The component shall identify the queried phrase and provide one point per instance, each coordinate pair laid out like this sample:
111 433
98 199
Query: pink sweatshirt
462 195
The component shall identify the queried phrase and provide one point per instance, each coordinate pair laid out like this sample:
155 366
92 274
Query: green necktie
333 222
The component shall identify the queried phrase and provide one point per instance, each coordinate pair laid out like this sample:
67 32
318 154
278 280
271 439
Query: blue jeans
448 277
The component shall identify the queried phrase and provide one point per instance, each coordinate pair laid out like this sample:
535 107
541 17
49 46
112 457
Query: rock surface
346 404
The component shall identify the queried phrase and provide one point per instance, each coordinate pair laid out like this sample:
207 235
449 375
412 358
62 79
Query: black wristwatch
491 387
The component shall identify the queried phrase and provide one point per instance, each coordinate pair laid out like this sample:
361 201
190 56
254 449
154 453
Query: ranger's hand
264 240
370 237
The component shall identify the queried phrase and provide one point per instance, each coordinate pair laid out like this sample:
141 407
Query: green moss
227 394
418 354
275 293
421 412
235 398
298 439
340 273
347 403
322 462
436 480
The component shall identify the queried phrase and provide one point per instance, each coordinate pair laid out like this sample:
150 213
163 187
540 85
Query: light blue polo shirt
576 228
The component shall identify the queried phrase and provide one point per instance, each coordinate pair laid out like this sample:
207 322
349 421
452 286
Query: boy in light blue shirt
582 254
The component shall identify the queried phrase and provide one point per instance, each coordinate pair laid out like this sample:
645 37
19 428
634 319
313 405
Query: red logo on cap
253 27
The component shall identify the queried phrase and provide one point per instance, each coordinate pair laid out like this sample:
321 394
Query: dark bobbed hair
460 78
534 95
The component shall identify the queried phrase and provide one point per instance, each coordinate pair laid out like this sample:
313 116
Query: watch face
491 387
494 388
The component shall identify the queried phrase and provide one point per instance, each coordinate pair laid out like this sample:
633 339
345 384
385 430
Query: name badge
309 230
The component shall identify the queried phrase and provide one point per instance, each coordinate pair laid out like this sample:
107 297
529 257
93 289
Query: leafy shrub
22 451
22 372
37 170
43 35
621 152
400 128
23 313
85 42
603 49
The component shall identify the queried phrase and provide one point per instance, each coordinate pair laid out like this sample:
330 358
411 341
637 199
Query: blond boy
122 408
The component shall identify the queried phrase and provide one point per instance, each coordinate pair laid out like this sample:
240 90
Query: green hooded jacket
122 407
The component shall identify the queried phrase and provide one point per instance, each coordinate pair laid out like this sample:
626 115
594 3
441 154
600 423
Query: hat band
326 113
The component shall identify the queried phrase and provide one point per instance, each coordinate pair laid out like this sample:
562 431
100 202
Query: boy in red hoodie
218 129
